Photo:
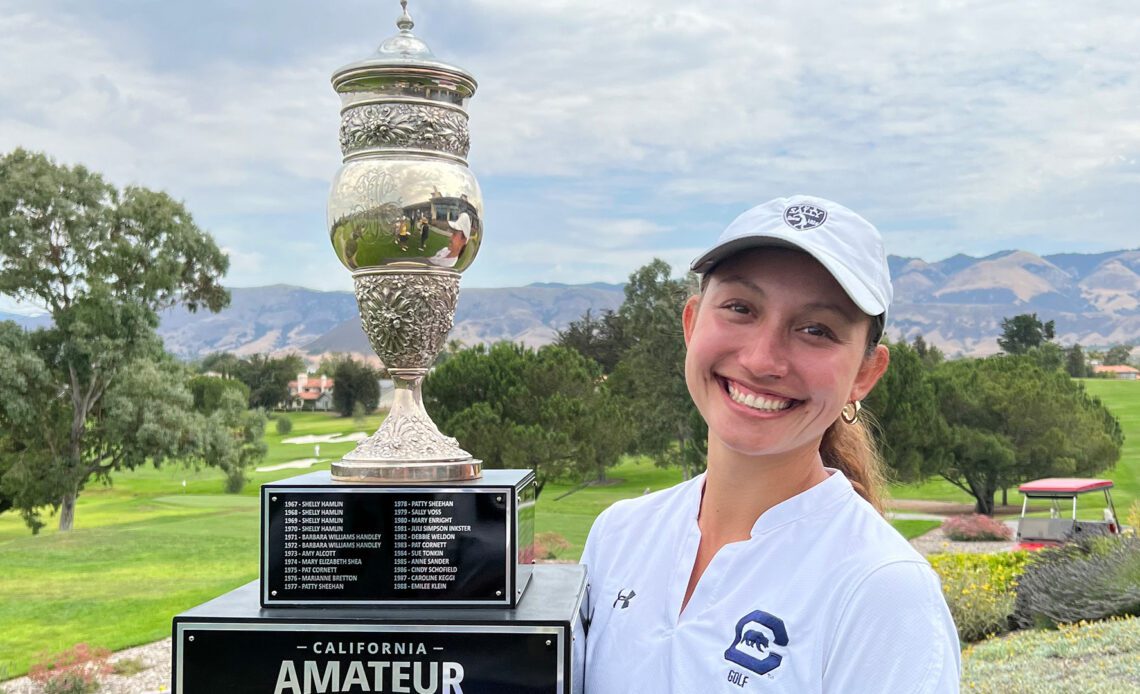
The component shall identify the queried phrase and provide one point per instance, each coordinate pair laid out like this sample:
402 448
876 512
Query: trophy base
231 644
371 471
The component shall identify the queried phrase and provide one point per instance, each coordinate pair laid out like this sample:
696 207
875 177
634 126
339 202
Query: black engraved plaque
232 644
339 544
294 659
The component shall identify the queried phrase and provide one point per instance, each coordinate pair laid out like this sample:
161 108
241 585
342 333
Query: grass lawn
1123 399
148 547
142 550
913 528
1098 657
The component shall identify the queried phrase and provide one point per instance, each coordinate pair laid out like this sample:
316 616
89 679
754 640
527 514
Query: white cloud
639 127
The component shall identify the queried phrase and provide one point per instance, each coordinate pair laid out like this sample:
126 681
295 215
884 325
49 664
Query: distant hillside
282 318
957 304
259 319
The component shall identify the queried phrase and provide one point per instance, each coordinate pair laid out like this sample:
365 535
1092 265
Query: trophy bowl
405 216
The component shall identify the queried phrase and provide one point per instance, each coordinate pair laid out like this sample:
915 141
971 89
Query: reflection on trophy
405 215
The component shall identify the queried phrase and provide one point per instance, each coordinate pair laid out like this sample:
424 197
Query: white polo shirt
824 597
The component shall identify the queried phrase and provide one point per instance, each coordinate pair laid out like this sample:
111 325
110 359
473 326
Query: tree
208 391
929 354
513 407
912 432
1011 421
1076 365
1049 356
355 383
330 362
1024 332
650 378
268 378
233 438
1118 354
225 364
144 414
103 262
605 340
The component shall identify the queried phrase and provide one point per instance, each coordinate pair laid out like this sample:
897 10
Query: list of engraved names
319 553
423 543
327 550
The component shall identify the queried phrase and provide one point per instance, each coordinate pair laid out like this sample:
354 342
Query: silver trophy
405 215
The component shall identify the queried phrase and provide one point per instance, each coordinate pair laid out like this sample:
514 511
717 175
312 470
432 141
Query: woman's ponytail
851 449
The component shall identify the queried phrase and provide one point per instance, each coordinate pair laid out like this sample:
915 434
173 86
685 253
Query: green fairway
1123 399
142 550
150 546
913 528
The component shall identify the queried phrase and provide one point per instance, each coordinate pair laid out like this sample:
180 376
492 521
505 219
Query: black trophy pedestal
448 544
232 644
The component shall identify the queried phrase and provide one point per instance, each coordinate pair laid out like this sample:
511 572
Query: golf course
158 541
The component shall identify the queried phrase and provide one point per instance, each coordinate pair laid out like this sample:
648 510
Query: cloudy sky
605 133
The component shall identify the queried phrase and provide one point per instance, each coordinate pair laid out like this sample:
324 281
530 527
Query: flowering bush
1132 518
980 590
74 671
549 545
975 528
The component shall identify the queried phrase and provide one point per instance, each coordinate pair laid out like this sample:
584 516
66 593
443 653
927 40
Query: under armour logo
624 599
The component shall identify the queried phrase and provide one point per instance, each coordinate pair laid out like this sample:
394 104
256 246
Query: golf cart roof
1063 486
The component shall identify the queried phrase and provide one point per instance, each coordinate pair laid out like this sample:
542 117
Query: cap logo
804 217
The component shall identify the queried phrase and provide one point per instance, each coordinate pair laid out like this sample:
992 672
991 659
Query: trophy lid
404 54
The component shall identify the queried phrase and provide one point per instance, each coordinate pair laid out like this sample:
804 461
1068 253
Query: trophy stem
406 314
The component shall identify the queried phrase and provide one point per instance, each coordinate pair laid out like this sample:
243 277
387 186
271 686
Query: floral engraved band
406 315
404 126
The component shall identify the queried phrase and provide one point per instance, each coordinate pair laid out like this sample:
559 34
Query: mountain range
957 304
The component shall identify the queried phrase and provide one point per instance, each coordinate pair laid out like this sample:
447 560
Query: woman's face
776 348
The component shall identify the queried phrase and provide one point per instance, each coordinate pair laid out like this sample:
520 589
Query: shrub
975 528
235 480
74 671
1132 518
207 391
549 545
126 667
1088 657
980 590
284 424
1086 581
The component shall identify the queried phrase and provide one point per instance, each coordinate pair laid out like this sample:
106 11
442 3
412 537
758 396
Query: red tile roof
1115 369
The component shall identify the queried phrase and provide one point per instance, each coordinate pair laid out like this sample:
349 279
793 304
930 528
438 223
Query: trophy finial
405 22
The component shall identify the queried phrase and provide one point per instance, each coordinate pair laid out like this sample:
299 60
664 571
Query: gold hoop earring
850 412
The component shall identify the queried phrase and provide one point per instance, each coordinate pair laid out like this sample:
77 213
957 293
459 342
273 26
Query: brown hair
851 449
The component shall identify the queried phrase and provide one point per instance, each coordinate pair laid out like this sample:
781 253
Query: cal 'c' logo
804 217
756 634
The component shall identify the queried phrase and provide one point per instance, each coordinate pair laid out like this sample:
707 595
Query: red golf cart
1037 533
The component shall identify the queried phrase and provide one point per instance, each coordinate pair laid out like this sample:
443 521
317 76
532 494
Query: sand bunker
302 463
327 438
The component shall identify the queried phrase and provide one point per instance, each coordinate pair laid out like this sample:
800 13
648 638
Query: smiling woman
775 565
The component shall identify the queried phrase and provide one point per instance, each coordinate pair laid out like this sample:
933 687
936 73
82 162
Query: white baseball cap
462 224
843 242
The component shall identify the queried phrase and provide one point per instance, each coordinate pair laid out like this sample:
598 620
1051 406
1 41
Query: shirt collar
817 499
